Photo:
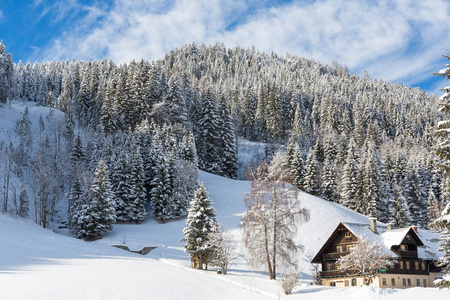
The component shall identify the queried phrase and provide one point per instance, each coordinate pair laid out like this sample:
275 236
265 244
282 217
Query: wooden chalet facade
415 267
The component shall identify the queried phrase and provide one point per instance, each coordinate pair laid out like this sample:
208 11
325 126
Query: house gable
337 244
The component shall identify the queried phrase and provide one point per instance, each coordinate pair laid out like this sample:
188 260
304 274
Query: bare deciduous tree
366 258
273 211
224 248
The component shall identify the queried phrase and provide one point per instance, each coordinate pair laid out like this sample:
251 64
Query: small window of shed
348 235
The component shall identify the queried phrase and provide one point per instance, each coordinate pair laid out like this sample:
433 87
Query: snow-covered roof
388 238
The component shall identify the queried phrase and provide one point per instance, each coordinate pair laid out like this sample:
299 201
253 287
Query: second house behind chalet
416 261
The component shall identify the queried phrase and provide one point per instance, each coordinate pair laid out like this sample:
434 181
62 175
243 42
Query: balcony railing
411 254
336 255
337 273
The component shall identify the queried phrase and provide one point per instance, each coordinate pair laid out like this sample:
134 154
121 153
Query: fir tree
399 209
350 188
311 181
201 221
99 216
229 144
24 203
137 179
370 204
162 191
328 185
77 203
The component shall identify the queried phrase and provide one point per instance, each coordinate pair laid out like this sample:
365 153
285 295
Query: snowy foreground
40 264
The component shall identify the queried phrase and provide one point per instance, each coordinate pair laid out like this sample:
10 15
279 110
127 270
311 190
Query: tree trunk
266 247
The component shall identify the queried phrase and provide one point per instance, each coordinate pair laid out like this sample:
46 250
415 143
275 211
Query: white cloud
400 40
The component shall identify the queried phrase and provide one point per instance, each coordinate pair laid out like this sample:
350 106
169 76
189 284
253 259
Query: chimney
389 226
415 228
373 224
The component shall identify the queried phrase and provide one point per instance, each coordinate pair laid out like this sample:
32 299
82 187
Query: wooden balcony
408 254
333 256
337 273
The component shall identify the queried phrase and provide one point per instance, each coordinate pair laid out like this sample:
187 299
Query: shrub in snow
224 248
288 282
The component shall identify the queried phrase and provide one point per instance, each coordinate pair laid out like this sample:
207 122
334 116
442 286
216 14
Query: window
339 249
404 281
408 265
424 282
348 235
401 264
346 283
424 266
418 282
409 281
383 281
332 283
393 281
329 267
416 266
404 247
354 282
349 248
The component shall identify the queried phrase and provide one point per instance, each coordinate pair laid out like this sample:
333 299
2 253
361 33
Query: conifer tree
209 142
370 204
311 181
229 144
24 203
297 167
443 151
162 191
78 157
100 215
328 185
77 203
201 221
350 188
137 179
399 208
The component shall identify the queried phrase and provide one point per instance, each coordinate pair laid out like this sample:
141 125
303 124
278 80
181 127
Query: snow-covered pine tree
24 203
78 157
100 215
297 167
23 129
229 151
201 221
399 208
370 204
121 184
435 206
137 180
162 191
350 188
77 203
328 185
443 151
209 142
311 180
443 225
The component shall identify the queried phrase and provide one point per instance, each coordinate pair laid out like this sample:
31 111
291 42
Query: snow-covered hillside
39 264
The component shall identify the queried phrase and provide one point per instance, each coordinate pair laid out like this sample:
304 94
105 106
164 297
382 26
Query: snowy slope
39 264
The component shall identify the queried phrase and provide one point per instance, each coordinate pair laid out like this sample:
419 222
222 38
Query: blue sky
399 41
